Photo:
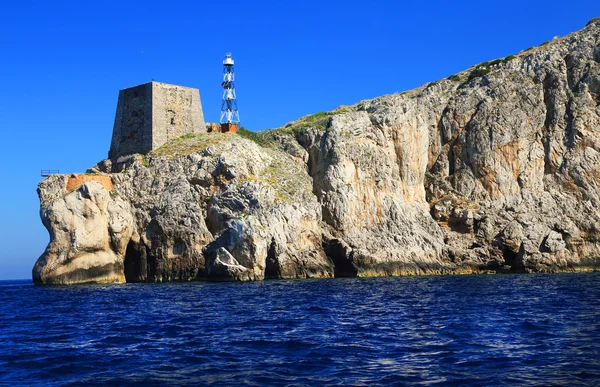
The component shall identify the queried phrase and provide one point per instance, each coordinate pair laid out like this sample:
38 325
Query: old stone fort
153 113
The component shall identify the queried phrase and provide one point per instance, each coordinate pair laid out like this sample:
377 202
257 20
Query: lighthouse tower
230 117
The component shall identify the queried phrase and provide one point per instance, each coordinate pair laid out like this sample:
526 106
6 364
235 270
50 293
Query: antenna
230 117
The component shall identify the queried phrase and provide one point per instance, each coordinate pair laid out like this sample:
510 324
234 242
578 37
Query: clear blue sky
63 63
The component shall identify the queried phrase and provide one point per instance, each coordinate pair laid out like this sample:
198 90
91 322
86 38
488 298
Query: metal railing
48 172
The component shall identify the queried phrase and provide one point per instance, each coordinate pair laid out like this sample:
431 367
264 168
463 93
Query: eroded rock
491 173
89 233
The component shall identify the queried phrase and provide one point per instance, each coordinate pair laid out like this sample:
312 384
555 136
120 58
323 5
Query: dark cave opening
509 256
135 263
272 269
341 256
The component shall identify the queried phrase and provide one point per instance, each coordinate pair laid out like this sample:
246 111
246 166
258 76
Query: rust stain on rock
77 180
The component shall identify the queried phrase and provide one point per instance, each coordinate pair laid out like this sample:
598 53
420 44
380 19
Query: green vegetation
189 143
480 70
319 121
431 84
593 21
455 78
545 43
486 67
264 138
187 136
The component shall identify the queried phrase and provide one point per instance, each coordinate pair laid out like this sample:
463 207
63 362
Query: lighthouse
230 117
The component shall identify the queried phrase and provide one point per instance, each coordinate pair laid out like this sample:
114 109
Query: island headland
494 169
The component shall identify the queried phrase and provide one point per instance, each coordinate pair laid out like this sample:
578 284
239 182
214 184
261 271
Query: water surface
500 330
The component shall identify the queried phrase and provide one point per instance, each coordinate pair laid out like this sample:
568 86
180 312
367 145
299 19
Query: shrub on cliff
495 62
479 72
593 21
264 138
268 138
318 120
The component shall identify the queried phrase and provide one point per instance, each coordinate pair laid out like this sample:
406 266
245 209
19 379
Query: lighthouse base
229 128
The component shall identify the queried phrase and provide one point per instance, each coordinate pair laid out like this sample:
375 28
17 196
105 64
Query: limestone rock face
495 170
223 266
372 198
222 209
89 231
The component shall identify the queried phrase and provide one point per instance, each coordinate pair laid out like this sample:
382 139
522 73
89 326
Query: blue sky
63 63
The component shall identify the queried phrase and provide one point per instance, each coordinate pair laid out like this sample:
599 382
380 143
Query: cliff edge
495 169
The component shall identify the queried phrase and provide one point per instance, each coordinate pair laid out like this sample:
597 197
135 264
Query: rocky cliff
495 169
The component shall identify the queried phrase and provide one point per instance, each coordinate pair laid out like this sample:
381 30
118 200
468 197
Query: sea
467 330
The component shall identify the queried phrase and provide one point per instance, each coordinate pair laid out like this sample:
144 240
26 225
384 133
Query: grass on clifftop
320 121
264 138
268 138
189 143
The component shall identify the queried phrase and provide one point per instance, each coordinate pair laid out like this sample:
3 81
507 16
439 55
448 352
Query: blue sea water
495 330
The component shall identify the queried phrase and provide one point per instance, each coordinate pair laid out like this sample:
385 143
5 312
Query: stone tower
151 114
